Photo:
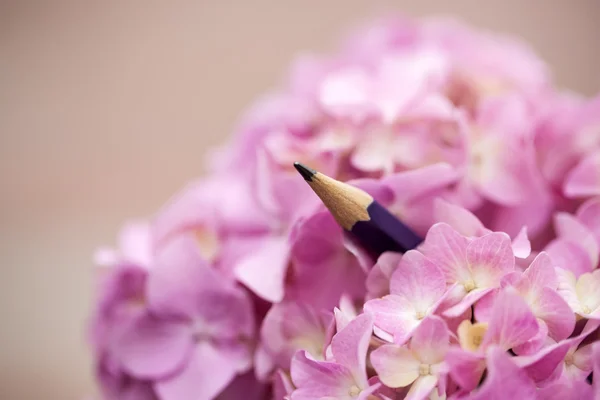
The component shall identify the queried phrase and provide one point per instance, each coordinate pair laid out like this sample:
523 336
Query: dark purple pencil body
384 232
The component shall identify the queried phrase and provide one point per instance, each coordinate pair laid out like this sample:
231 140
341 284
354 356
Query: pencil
372 225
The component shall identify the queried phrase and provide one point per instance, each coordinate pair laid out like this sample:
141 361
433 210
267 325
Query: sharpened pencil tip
307 173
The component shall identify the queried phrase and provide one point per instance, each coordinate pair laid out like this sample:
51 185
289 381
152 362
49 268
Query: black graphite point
307 173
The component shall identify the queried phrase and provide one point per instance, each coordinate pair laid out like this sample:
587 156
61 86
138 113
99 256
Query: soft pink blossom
417 288
474 266
419 364
345 376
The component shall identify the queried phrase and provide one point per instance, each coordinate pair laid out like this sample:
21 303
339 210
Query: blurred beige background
107 108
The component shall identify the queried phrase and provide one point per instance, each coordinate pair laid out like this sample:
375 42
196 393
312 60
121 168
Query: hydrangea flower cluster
243 286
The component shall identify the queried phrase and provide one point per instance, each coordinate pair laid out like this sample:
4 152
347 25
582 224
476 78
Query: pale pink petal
422 388
584 179
153 348
346 92
541 273
207 373
106 257
419 280
541 365
135 243
505 380
484 306
178 276
466 302
395 365
378 279
187 209
393 315
430 340
263 271
534 344
571 229
319 379
512 321
466 368
458 218
448 250
588 293
533 213
521 245
589 215
375 153
490 258
416 183
567 287
569 256
282 385
582 358
264 363
350 345
555 312
565 390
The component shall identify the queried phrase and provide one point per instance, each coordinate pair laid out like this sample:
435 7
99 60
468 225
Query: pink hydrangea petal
396 366
290 326
422 388
589 215
350 345
416 183
135 243
179 275
319 378
346 92
263 271
153 348
566 287
185 210
512 321
264 362
430 340
375 153
532 213
505 379
570 256
541 273
582 358
205 376
541 365
562 390
521 245
588 293
227 314
484 306
556 313
461 219
466 302
534 344
490 258
282 385
448 250
419 280
378 279
466 368
584 179
571 229
394 315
